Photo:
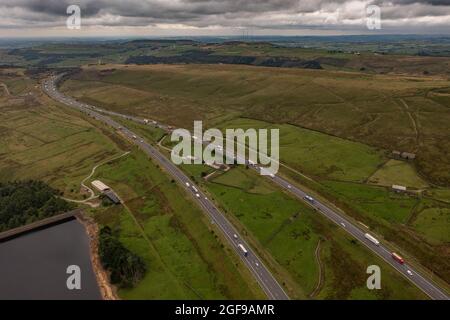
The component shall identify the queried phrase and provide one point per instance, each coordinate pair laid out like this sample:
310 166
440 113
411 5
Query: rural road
263 276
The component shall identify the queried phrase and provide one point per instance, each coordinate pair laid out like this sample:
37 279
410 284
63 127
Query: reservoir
34 265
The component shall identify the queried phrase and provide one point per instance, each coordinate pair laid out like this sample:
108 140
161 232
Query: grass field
185 258
377 203
385 111
399 173
290 232
318 154
42 141
433 223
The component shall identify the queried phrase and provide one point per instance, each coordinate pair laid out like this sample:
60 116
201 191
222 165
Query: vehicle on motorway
195 189
309 199
343 224
146 121
409 272
197 195
398 258
187 184
244 251
264 170
289 186
235 236
372 239
134 137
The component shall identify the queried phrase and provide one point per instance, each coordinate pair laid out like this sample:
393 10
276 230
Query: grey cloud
226 13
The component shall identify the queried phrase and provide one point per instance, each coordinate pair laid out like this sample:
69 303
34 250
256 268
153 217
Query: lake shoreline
107 290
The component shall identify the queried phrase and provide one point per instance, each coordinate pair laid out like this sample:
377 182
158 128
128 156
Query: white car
409 272
289 186
197 195
309 199
343 224
187 184
235 236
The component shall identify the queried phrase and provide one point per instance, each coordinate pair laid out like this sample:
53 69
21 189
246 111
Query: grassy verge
176 240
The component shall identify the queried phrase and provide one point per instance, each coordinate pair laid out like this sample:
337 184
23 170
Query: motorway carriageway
428 287
261 273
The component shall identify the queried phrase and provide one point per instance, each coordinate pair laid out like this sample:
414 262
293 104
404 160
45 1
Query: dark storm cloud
224 13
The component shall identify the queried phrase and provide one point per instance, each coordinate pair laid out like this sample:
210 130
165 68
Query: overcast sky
221 17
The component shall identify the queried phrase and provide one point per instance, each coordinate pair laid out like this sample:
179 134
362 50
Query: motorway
262 275
255 265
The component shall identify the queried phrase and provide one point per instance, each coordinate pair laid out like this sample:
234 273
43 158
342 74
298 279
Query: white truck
372 239
244 251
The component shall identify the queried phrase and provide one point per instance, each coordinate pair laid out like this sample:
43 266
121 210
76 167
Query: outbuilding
100 186
112 196
398 188
408 156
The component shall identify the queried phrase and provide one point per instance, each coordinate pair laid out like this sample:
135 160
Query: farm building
408 156
403 155
396 154
398 188
112 196
100 186
105 190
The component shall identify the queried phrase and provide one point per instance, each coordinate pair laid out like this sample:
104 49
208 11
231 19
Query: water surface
33 266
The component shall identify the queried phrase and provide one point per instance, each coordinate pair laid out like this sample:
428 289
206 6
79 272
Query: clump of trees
23 202
126 268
